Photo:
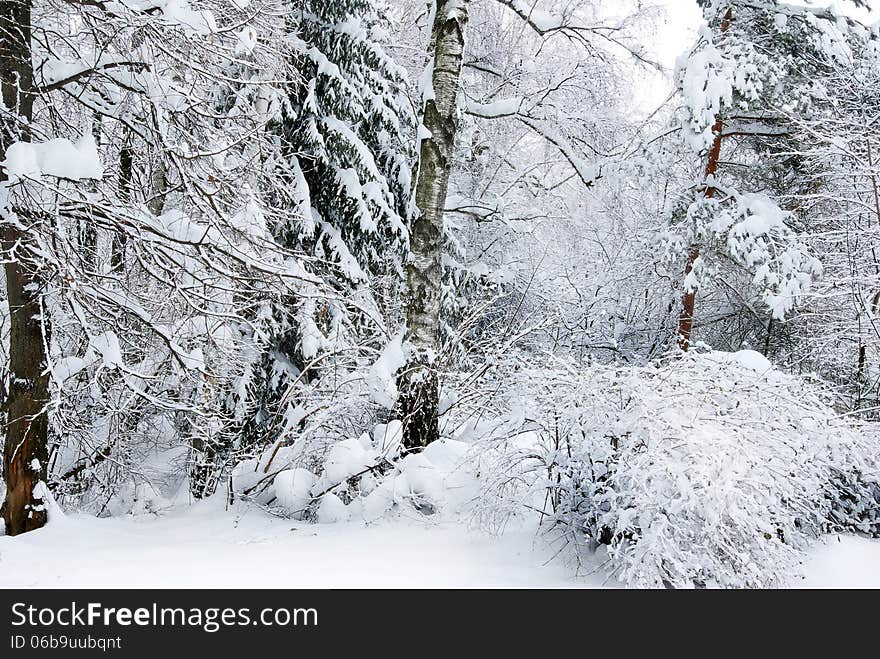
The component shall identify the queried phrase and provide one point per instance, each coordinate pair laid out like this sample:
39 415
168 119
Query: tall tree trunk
686 318
25 454
419 383
126 162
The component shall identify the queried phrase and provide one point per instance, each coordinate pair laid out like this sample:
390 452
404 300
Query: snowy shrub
707 470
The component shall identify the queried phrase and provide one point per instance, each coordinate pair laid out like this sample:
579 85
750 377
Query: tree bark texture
25 420
419 382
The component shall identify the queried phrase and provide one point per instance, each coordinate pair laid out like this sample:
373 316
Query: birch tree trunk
25 452
419 382
159 180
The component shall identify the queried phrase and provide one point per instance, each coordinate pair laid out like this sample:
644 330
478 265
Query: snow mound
749 359
381 377
292 489
359 479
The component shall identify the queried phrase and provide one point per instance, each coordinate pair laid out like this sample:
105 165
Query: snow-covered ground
843 562
205 546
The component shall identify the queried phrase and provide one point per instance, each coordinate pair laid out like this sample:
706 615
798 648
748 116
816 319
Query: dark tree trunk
419 382
25 453
860 375
126 163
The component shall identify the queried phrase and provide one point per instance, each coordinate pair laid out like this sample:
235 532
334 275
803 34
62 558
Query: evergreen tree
347 130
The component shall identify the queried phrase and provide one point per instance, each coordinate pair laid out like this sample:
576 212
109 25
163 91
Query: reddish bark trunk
686 318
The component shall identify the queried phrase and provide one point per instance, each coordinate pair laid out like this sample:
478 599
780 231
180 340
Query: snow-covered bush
854 500
706 470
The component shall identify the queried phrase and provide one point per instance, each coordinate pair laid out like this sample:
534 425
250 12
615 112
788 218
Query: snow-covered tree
754 65
346 133
145 300
420 384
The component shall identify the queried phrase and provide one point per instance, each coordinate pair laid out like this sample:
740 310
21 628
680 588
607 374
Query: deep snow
205 546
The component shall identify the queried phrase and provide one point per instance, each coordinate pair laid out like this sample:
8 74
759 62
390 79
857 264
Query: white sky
674 35
678 31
